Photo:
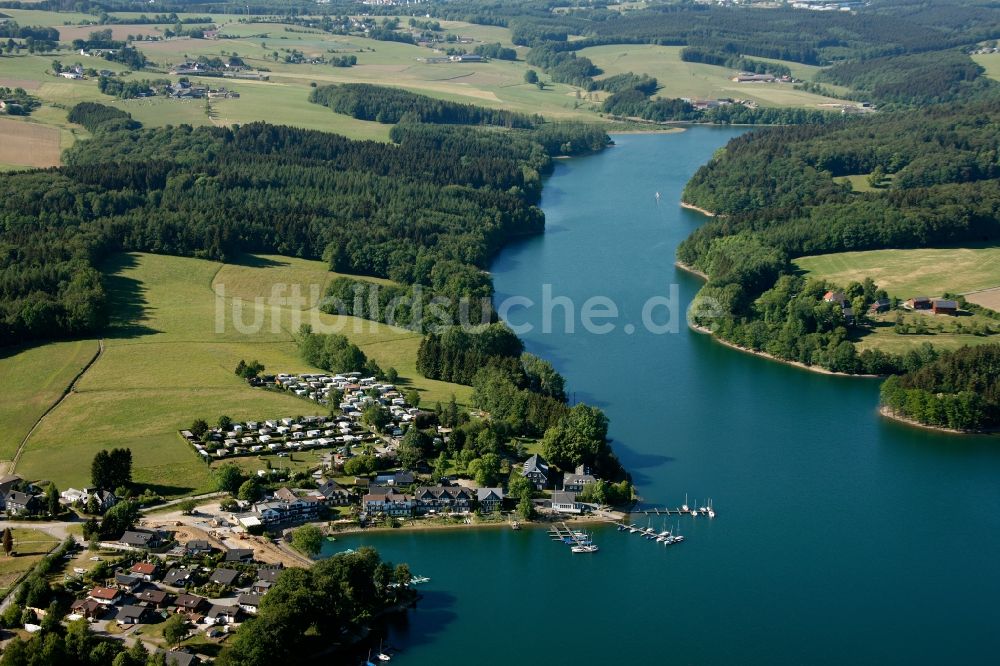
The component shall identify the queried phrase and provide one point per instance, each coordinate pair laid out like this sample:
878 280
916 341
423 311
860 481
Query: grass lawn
169 358
687 79
860 183
30 546
991 63
34 378
907 273
887 340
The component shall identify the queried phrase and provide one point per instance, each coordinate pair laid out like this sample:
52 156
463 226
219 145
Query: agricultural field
28 144
696 80
169 357
30 546
907 273
34 379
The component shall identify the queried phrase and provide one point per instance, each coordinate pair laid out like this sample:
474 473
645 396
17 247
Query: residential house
396 479
19 503
334 493
442 498
141 539
127 582
190 603
132 615
222 614
390 504
225 577
490 499
239 555
180 658
8 483
536 470
564 502
249 603
177 577
155 597
198 547
107 596
575 481
148 571
944 306
89 608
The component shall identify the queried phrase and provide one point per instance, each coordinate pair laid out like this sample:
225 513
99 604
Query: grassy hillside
906 273
167 362
687 79
283 99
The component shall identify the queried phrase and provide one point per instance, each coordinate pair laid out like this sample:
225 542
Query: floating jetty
579 542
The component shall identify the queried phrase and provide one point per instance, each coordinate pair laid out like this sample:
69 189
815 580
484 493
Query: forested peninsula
776 197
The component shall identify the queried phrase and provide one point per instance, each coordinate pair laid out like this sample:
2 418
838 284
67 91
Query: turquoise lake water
840 537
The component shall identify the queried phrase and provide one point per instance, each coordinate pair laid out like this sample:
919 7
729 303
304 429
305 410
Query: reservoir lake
841 537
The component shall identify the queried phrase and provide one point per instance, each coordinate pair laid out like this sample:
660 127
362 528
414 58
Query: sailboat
711 511
657 196
382 656
684 507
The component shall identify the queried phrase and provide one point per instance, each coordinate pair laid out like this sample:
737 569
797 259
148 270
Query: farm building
944 306
918 303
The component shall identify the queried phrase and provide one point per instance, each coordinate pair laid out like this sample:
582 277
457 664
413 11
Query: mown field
696 80
907 273
169 358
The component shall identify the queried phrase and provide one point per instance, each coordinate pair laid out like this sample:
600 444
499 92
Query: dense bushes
333 353
93 116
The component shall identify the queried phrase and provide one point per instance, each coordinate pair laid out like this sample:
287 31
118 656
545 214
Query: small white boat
384 657
416 580
684 507
590 548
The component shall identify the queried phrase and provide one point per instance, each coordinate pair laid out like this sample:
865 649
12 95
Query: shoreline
687 268
699 209
418 526
884 411
763 354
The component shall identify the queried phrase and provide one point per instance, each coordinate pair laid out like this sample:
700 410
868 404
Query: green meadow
696 80
907 273
33 380
169 356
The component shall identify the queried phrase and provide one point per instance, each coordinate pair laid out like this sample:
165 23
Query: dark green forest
432 208
960 390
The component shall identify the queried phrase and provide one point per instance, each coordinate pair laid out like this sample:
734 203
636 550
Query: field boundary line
68 390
